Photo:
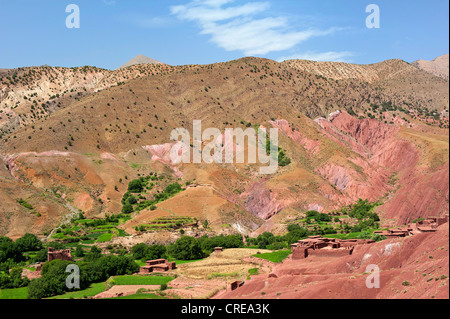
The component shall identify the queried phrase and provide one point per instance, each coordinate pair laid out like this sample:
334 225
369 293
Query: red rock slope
412 267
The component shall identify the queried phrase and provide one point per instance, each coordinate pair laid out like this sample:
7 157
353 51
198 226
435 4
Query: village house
325 247
64 254
157 265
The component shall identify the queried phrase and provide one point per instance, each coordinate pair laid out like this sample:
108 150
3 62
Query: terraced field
168 223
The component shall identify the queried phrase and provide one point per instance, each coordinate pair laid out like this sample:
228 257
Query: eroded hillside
81 153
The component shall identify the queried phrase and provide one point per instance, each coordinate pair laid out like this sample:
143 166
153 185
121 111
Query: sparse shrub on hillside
24 204
127 208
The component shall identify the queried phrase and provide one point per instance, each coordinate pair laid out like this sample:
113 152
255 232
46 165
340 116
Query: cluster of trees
148 252
13 279
137 186
12 257
96 268
12 252
318 217
362 210
190 248
268 240
186 248
283 160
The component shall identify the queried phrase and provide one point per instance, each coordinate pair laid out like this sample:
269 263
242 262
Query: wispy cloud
237 27
109 2
331 56
153 22
146 22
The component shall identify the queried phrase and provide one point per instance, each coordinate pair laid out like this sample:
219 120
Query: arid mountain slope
33 93
82 155
140 59
438 67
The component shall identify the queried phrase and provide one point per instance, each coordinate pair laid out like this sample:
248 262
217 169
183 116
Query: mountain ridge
139 59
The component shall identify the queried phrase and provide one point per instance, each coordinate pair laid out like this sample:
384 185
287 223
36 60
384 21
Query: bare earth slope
76 150
438 67
140 59
410 268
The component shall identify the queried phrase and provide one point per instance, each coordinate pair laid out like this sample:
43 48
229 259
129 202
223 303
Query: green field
276 256
93 290
140 262
142 280
104 237
17 293
253 271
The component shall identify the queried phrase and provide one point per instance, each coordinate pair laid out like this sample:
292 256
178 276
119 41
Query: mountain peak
140 59
438 67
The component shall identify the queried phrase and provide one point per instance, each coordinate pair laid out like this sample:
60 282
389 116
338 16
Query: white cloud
210 11
143 21
236 27
321 56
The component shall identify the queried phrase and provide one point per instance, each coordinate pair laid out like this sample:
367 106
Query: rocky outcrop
262 202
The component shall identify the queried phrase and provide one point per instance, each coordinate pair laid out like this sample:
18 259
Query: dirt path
66 219
124 290
188 288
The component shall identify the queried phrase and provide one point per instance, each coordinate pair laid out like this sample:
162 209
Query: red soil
412 267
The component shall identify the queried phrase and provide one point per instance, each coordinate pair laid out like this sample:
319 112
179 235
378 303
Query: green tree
41 256
93 254
52 282
127 208
139 251
135 186
186 248
79 252
265 239
29 242
9 250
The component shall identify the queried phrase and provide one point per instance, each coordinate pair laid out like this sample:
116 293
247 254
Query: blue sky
181 32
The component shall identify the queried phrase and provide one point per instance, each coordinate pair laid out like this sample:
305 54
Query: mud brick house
429 225
34 274
52 254
395 233
325 247
157 265
433 222
64 254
